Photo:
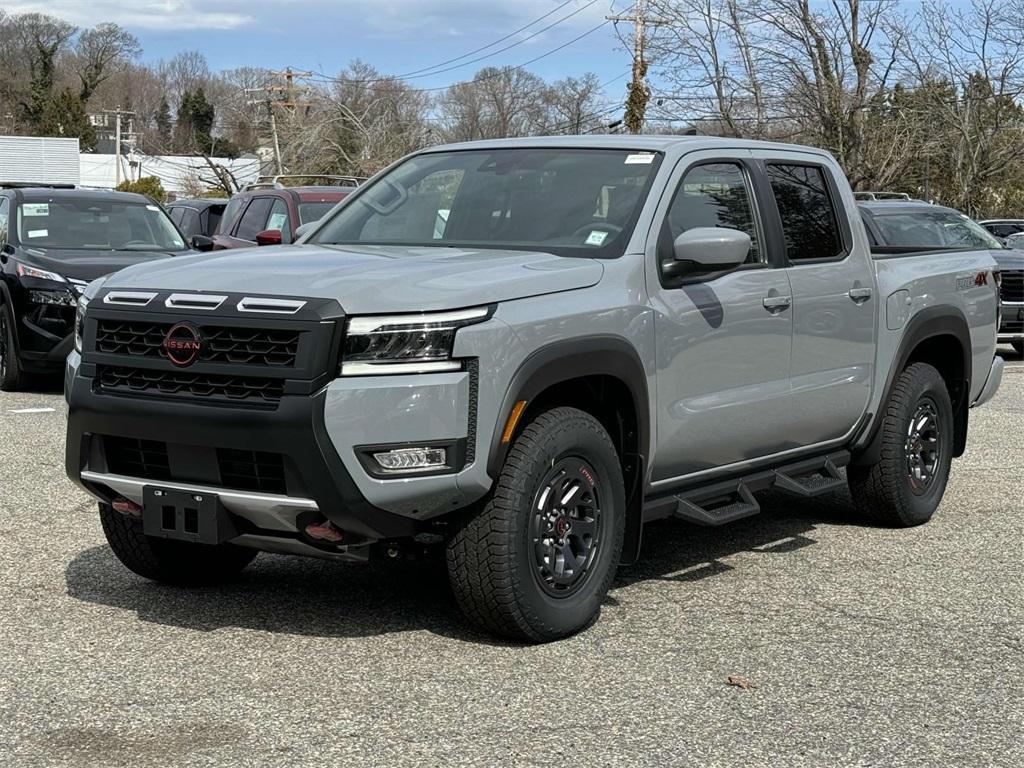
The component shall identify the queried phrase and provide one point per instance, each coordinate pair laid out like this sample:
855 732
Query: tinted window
809 221
176 214
254 218
190 222
713 195
313 211
231 212
571 202
211 218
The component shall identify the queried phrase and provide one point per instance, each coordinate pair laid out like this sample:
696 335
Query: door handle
859 295
776 304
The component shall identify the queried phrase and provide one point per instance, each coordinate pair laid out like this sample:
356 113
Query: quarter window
809 223
713 195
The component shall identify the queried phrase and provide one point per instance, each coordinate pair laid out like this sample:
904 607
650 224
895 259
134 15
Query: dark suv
197 216
269 214
53 242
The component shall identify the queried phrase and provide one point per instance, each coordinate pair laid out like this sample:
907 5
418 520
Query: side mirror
202 243
269 237
304 229
709 249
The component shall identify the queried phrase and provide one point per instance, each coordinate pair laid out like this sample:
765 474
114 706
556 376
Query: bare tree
101 51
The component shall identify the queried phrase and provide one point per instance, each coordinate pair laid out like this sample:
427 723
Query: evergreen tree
64 116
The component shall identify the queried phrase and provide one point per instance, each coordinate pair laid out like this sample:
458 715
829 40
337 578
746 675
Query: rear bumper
995 378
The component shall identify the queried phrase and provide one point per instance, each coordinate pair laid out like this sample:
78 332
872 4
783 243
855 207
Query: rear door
834 306
252 222
723 340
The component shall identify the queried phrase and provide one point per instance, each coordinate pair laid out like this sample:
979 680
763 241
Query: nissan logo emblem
183 343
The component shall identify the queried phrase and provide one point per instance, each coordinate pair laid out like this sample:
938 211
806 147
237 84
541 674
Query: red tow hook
126 507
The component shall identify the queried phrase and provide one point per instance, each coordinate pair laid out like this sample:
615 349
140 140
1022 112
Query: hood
86 264
371 279
1009 259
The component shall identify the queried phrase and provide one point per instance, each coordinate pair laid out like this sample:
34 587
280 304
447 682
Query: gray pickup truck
522 351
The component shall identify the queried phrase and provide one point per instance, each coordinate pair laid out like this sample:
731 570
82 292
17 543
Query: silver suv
521 351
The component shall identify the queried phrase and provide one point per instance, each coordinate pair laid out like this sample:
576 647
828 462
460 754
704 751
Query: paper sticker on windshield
38 233
640 158
35 209
597 238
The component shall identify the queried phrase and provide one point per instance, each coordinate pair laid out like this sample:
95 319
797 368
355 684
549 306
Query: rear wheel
904 487
536 561
171 562
11 376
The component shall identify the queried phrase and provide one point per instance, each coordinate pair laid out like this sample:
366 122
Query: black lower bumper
295 429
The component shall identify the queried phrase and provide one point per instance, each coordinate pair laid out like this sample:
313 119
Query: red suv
268 213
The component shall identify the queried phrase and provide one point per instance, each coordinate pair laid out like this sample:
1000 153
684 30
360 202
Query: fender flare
926 324
563 361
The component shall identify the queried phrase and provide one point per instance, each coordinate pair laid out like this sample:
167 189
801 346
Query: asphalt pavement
847 644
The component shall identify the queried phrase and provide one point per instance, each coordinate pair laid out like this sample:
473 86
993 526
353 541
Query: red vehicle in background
268 212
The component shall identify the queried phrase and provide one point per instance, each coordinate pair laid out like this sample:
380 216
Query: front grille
248 390
252 470
137 458
1012 289
222 344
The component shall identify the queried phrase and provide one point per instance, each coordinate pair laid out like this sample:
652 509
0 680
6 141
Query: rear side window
809 222
189 223
211 218
254 218
234 205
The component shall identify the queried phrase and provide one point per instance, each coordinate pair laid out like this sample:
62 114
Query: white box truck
29 160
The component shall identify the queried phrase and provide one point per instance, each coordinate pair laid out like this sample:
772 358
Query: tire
11 377
495 556
1018 347
167 561
901 490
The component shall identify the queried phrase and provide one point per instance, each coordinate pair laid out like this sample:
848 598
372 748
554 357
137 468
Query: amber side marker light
513 419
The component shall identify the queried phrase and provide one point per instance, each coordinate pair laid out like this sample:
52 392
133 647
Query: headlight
60 298
83 302
40 274
405 343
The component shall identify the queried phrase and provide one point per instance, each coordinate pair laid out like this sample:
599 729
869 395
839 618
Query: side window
212 218
809 222
5 215
278 219
712 195
254 218
176 214
189 224
234 206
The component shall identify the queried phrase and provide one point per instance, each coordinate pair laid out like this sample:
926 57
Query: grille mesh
1012 287
242 389
235 345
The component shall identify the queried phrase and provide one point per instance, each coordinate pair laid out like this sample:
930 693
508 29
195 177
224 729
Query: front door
723 340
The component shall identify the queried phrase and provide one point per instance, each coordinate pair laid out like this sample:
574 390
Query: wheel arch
604 376
940 337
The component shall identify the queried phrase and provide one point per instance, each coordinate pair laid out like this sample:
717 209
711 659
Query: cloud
141 14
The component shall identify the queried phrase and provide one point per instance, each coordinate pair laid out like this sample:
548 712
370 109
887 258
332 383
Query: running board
815 482
719 510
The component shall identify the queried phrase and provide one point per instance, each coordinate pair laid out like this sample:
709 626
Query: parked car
896 227
52 243
270 213
1003 228
601 332
197 216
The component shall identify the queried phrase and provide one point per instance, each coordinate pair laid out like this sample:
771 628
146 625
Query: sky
395 36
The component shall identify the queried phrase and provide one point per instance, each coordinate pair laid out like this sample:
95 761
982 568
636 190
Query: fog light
412 459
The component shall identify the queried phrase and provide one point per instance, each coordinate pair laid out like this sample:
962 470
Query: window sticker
640 158
35 209
597 238
277 221
38 233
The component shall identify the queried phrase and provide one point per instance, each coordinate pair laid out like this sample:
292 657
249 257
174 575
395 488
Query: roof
100 195
652 143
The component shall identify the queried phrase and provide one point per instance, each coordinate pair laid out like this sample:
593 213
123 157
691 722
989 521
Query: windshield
312 211
90 224
571 202
934 229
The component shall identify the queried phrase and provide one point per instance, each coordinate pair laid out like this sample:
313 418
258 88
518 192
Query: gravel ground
867 647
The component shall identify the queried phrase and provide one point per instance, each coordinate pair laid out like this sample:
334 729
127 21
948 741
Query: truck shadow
317 598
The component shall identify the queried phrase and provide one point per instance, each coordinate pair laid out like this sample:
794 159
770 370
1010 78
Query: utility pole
639 92
277 144
118 114
282 93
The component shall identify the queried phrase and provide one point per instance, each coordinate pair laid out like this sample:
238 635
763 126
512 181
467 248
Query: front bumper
1011 326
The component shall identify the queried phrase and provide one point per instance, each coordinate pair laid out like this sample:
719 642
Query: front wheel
904 487
168 561
536 561
11 377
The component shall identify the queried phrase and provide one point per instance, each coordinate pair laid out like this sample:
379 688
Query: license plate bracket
200 518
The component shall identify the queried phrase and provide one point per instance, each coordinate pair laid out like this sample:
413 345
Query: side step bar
736 505
723 501
818 481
